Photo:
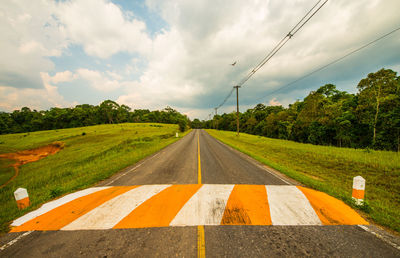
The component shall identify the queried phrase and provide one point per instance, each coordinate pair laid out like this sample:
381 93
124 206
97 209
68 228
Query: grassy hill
331 169
90 154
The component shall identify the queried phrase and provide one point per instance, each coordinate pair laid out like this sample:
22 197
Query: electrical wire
330 63
281 43
226 99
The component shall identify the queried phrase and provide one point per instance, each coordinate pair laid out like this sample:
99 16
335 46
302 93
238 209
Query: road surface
196 158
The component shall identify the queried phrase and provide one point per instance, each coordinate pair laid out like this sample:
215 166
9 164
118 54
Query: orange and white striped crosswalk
188 205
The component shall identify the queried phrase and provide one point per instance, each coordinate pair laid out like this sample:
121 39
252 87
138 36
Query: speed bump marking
188 205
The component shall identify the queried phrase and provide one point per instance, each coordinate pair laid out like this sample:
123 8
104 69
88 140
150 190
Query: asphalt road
178 164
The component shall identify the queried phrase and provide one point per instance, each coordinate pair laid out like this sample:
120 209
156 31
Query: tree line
368 119
108 112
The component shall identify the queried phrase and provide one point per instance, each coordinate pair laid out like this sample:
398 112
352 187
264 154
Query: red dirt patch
27 156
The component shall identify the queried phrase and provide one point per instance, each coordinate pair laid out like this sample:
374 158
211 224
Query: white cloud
102 28
98 80
12 98
29 35
274 102
65 76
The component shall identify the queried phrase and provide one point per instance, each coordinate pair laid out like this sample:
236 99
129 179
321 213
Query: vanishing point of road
198 159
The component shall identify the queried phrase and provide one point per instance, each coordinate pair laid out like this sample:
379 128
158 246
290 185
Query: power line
285 39
331 63
281 43
226 99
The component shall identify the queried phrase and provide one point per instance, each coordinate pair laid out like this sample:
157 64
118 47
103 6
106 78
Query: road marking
198 158
189 205
289 206
159 211
54 204
15 240
65 214
379 236
247 205
206 207
201 245
331 211
110 213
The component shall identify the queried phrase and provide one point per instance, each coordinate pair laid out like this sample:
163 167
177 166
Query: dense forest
108 112
327 116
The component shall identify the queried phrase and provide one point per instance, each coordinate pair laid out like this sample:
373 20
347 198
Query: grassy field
331 170
90 155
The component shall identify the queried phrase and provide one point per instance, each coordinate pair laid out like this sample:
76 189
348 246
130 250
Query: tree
109 110
375 91
182 124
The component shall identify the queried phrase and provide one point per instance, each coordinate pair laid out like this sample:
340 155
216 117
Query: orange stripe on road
247 205
160 209
65 214
332 211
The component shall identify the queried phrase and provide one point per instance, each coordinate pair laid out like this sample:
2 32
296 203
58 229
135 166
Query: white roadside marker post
358 190
176 135
22 198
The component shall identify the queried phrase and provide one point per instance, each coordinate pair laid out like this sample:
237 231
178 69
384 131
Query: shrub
182 125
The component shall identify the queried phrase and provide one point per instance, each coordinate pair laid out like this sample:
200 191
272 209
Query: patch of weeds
56 191
1 142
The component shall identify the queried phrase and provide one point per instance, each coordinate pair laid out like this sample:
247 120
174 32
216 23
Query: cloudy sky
157 53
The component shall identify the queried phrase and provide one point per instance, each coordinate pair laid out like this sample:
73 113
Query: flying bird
234 63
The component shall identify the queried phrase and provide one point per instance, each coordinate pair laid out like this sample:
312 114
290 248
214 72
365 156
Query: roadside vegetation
331 170
368 119
108 112
89 155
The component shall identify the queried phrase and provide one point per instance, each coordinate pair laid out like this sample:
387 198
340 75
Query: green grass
331 170
90 155
6 170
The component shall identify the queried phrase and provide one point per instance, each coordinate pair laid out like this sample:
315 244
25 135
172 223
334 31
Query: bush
182 125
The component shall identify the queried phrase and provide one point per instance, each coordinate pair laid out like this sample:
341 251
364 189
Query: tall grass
331 169
90 155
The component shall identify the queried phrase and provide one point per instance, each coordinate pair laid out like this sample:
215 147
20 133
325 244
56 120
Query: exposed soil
27 156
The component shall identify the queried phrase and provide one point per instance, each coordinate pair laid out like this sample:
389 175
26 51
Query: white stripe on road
54 204
113 211
206 207
15 240
289 206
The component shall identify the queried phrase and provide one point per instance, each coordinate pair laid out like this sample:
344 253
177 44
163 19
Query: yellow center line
201 246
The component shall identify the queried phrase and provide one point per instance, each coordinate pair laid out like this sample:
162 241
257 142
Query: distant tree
182 124
109 111
196 124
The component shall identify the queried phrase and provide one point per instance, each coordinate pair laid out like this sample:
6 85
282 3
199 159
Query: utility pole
237 108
